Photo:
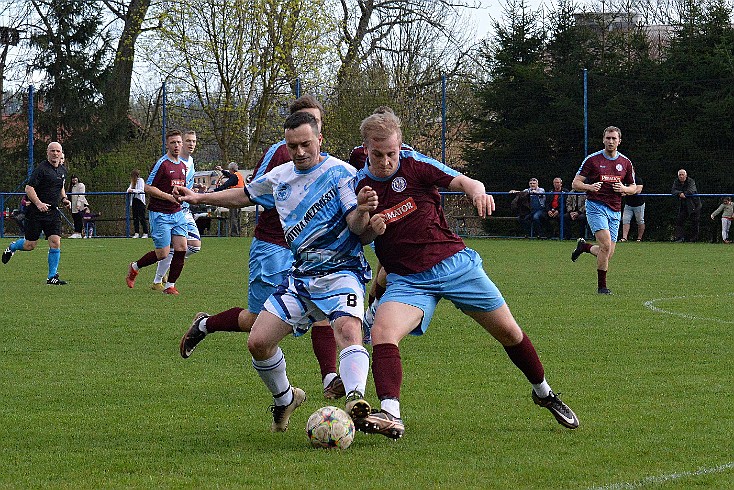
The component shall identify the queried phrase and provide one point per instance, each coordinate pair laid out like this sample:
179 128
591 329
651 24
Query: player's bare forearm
228 198
474 189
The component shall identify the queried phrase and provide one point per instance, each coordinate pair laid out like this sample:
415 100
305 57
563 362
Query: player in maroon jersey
425 261
270 261
358 159
168 226
604 176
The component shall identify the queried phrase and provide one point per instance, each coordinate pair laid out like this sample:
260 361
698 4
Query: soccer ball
330 427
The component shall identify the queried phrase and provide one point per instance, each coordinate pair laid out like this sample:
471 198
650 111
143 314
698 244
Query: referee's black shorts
36 222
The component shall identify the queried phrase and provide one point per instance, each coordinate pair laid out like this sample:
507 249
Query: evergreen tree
510 132
74 55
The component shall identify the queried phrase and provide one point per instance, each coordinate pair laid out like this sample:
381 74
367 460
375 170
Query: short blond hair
380 126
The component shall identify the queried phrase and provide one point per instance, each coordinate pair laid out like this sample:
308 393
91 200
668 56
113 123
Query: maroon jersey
164 175
597 167
417 235
268 227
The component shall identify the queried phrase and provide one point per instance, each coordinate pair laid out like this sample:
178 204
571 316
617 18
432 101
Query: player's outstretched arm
228 198
476 192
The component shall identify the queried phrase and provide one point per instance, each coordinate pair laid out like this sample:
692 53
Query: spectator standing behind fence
634 205
78 203
554 207
575 216
234 179
137 200
533 220
726 209
689 207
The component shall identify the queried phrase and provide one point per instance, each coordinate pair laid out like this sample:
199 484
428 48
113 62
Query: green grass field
95 395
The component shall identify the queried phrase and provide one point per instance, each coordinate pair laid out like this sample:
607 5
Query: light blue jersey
190 171
312 206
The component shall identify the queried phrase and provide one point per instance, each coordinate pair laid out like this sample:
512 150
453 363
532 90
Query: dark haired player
425 261
168 225
270 261
322 218
608 171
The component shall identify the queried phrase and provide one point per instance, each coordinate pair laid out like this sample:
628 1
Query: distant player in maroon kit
425 261
270 261
168 225
604 176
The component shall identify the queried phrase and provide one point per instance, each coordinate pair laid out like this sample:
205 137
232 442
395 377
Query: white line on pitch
656 480
651 306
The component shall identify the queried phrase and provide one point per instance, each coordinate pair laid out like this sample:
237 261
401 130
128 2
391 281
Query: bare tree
234 60
368 27
132 14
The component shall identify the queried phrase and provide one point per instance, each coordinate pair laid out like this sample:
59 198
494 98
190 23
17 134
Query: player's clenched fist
367 199
377 223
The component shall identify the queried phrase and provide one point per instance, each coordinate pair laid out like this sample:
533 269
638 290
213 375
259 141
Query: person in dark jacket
689 207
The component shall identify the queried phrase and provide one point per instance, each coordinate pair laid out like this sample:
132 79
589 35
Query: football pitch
95 395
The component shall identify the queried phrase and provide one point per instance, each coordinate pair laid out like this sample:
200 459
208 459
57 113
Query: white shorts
302 301
192 230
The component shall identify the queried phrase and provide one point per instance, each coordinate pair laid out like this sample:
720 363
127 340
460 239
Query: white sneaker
136 236
145 236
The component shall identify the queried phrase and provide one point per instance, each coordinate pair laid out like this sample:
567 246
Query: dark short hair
306 102
299 119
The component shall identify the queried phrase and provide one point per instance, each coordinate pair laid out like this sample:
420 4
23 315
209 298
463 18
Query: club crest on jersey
399 184
619 167
400 211
282 192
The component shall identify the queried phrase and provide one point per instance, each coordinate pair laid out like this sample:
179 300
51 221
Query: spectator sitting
554 207
19 214
90 222
575 215
726 209
533 220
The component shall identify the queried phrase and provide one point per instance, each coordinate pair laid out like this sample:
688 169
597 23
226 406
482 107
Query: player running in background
604 176
193 238
425 261
45 191
269 263
168 225
322 219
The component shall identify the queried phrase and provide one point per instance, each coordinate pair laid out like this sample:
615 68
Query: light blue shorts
460 279
302 301
269 266
192 231
601 217
164 225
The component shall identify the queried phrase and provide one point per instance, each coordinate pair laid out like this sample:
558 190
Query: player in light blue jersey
322 219
193 238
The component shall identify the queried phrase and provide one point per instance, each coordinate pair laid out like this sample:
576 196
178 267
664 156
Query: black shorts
48 222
